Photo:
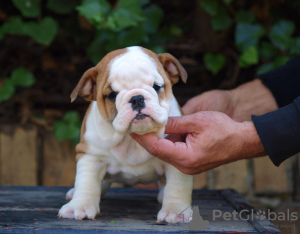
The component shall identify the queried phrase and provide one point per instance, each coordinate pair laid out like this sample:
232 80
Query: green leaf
280 34
277 62
244 16
247 35
214 63
174 31
73 132
210 6
267 50
95 11
154 15
60 130
6 91
97 48
28 8
144 2
22 77
62 7
295 50
43 32
265 68
68 128
133 36
280 60
14 26
71 117
157 49
221 21
127 13
249 57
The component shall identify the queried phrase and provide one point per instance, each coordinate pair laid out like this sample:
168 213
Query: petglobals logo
255 215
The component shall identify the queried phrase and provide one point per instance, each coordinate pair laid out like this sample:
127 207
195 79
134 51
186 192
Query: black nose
137 102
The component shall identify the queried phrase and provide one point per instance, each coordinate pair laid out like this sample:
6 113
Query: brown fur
82 146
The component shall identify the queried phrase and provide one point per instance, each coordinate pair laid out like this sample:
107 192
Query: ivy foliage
20 77
68 128
256 43
121 24
134 22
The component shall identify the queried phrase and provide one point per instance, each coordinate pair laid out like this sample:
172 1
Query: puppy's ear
86 87
173 68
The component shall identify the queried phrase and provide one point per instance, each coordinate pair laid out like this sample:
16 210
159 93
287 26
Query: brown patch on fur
107 108
82 146
168 86
91 86
86 86
173 68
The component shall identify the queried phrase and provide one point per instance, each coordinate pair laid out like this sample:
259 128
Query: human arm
250 98
209 139
279 130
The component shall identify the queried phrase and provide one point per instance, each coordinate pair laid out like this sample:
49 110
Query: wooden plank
18 155
200 181
232 176
59 164
270 179
125 210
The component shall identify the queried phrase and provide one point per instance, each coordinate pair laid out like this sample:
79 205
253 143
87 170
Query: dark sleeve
284 82
279 132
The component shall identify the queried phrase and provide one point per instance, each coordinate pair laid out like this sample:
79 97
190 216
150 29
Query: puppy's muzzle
137 104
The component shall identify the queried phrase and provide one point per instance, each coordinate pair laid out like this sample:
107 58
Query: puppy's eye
157 87
112 96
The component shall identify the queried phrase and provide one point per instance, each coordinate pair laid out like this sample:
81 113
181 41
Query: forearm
252 98
251 145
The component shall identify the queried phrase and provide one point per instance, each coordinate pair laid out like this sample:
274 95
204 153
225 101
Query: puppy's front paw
70 194
175 213
79 210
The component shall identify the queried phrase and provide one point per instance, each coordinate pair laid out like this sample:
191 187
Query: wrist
251 145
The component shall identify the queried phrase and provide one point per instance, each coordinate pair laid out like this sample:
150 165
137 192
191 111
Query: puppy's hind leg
105 187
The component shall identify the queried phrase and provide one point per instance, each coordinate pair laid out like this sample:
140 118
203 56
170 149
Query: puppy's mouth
140 116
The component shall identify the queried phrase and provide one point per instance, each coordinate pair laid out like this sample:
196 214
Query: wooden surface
58 162
18 156
125 210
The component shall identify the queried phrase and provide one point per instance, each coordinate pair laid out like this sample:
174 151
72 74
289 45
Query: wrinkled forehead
133 69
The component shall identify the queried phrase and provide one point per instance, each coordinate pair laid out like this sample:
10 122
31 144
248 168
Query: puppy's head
133 88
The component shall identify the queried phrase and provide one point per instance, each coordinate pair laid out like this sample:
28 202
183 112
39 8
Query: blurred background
45 47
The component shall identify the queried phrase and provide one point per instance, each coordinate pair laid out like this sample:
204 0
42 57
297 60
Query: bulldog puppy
130 92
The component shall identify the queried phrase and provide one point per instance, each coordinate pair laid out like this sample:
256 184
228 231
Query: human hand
208 140
252 98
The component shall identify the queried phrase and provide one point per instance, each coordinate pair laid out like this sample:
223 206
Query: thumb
161 148
180 125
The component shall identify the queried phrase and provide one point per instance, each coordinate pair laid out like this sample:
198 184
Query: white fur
111 150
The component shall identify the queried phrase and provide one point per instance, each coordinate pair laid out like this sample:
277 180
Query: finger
191 106
162 148
181 125
175 137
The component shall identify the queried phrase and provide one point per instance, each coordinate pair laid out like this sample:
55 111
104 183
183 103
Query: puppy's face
133 88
